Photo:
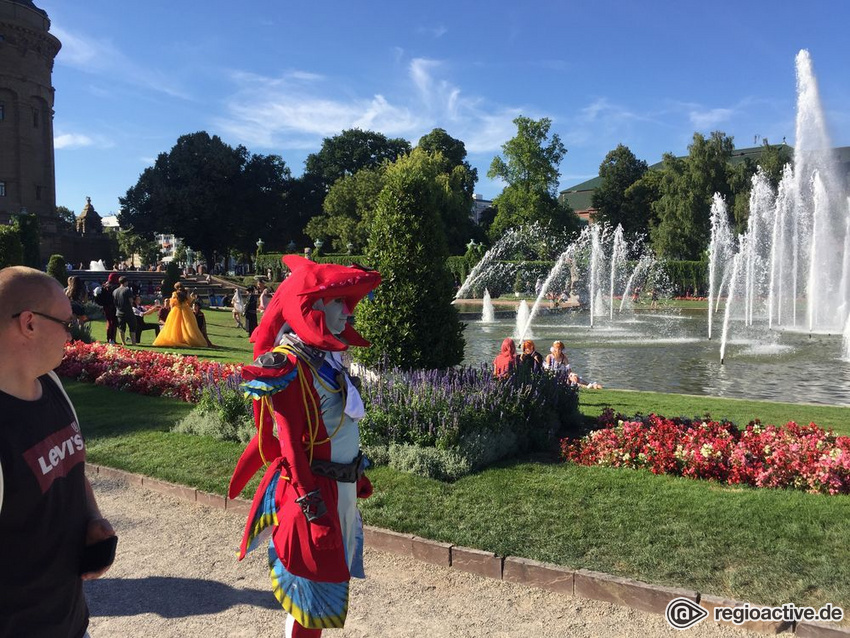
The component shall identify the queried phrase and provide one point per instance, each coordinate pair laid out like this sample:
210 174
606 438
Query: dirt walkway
176 575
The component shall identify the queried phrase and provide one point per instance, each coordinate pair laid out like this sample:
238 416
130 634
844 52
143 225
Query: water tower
27 175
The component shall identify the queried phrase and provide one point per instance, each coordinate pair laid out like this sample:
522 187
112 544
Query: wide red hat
292 303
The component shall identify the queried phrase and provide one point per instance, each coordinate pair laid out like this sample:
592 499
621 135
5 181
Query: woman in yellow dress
181 328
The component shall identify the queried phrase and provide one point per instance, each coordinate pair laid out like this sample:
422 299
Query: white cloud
71 141
435 32
704 120
100 57
298 109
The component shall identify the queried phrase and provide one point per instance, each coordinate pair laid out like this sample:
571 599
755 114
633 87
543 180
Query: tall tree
530 169
411 321
213 196
687 185
620 170
348 210
67 218
457 221
349 152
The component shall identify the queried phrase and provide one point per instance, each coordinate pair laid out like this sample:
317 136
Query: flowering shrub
150 373
803 457
467 416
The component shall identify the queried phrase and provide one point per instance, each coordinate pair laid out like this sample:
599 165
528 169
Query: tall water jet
719 250
522 329
736 263
595 258
618 259
488 315
564 259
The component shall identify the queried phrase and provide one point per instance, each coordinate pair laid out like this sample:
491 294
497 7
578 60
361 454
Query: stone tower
27 174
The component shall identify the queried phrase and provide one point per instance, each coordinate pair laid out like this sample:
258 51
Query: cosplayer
181 327
306 410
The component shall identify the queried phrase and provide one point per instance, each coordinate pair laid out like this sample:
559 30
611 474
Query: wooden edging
581 583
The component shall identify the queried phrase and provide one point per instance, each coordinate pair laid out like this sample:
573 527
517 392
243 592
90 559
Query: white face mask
336 314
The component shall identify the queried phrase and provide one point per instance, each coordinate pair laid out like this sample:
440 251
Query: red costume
306 411
507 360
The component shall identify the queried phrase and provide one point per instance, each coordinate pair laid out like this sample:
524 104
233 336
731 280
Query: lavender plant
473 418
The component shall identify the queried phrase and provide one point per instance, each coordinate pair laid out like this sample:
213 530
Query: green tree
29 233
457 222
619 171
67 218
11 249
349 152
349 208
411 321
56 269
530 169
210 194
686 187
130 244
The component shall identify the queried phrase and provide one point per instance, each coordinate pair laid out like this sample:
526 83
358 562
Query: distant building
110 223
89 221
580 196
479 205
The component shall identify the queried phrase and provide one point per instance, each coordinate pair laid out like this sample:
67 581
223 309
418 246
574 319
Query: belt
342 472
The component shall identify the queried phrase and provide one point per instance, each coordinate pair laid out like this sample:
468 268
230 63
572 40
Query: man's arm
97 529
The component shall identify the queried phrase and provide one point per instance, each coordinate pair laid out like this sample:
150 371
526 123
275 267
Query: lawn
765 546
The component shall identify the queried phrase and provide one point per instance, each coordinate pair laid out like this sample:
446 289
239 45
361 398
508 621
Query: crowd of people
509 361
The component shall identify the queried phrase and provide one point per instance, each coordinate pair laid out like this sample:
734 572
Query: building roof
88 211
580 196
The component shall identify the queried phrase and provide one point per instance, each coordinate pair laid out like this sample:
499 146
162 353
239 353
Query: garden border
581 583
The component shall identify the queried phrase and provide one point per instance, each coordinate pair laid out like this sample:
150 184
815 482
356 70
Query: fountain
788 256
488 315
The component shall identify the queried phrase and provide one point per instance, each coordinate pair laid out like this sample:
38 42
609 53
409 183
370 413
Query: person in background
123 296
181 327
265 296
577 381
250 313
238 307
141 312
103 297
48 512
507 361
78 296
202 321
162 315
530 358
557 359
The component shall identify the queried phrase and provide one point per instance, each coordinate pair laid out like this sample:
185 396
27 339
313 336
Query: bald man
48 512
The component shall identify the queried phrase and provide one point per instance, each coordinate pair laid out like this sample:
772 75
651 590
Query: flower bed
445 424
803 457
150 373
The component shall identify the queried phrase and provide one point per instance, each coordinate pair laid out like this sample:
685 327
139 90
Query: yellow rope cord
260 430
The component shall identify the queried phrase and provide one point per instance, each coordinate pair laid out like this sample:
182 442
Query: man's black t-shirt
43 517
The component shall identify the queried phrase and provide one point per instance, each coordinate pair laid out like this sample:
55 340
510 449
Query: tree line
220 199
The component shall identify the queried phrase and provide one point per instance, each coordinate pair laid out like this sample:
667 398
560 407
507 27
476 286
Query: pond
668 351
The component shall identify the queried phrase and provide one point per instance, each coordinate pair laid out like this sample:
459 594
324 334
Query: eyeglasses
65 323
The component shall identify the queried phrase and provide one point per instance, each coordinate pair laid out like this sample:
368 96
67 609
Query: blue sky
280 76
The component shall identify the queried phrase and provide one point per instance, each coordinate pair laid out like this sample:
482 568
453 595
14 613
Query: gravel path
176 575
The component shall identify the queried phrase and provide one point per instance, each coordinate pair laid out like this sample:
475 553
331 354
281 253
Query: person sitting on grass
577 381
530 358
557 359
506 361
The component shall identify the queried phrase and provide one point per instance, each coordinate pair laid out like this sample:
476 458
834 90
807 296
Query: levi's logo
56 455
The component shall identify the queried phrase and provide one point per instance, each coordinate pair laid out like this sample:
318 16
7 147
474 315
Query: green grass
231 343
739 411
764 546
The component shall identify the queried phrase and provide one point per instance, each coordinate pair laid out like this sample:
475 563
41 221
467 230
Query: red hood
292 303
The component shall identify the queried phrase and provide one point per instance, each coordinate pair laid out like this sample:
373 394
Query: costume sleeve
291 420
